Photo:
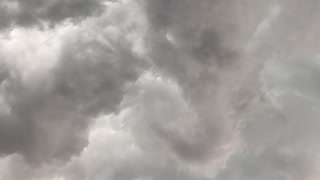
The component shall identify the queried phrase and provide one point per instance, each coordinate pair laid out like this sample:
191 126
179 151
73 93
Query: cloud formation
159 89
48 106
28 13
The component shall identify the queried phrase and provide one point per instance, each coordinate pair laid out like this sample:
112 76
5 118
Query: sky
159 90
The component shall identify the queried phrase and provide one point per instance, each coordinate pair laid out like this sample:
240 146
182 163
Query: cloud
113 153
49 105
281 140
162 120
159 89
197 44
204 57
33 12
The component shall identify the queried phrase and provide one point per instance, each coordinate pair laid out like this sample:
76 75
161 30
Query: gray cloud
119 157
271 164
48 118
198 45
281 137
34 12
161 89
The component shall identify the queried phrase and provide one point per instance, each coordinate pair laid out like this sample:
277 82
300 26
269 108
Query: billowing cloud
159 89
49 93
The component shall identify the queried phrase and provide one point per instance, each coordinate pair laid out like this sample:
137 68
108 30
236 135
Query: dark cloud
48 119
197 44
202 45
197 38
36 12
226 90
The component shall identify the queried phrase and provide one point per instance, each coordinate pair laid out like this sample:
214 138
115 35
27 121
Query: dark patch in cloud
3 73
28 13
195 43
192 150
211 47
190 28
160 12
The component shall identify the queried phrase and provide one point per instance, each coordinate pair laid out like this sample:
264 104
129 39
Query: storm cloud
47 117
159 89
34 12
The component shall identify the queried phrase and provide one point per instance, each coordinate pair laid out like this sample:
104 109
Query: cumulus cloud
50 92
159 89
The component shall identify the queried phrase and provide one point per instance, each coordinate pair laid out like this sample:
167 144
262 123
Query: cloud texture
34 12
159 89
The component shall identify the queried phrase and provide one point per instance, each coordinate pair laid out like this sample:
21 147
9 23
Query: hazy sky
159 90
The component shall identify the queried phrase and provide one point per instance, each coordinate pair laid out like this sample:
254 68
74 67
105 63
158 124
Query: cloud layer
159 89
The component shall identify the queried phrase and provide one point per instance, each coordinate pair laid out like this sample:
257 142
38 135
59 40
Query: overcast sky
159 90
